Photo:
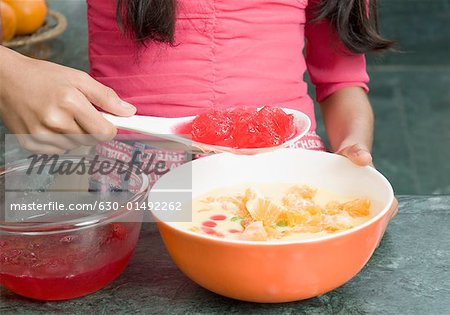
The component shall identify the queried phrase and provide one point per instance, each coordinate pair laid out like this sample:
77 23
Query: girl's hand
49 104
358 154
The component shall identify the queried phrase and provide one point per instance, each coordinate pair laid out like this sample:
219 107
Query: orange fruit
8 21
357 207
303 192
333 207
30 14
255 232
338 222
264 210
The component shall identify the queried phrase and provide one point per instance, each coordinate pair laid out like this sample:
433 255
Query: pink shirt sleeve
330 65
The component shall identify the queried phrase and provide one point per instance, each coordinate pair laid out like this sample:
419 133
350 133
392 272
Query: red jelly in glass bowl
59 255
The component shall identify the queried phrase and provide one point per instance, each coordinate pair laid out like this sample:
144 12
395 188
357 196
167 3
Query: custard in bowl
314 257
274 212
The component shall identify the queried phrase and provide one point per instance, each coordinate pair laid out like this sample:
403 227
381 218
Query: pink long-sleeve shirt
227 53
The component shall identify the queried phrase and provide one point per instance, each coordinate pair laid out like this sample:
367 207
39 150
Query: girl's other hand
50 105
358 154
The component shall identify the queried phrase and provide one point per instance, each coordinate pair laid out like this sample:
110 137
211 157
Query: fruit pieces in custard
243 127
252 216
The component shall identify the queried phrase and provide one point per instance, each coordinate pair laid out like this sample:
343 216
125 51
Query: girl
178 57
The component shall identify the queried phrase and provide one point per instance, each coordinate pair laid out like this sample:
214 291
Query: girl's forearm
8 60
348 119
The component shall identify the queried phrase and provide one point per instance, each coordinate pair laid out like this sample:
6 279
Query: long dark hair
147 20
355 22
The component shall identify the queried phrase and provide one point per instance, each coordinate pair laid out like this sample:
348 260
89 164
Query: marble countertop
408 274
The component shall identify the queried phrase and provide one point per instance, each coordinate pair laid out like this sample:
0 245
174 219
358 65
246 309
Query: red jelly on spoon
242 127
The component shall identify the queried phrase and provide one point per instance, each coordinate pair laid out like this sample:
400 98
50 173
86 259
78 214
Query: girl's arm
340 80
348 119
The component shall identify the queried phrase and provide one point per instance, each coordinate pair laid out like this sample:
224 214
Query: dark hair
147 20
355 22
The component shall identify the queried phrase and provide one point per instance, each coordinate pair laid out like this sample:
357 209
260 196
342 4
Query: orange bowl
286 270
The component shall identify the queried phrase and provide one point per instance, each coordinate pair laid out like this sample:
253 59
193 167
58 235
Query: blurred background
410 90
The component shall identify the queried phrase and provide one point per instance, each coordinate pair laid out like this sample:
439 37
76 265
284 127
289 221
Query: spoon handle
146 124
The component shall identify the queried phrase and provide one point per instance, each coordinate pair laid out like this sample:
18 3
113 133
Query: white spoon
166 128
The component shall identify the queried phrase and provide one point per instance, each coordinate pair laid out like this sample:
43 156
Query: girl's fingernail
361 152
127 105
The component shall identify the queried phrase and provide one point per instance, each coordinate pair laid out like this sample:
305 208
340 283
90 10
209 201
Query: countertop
409 273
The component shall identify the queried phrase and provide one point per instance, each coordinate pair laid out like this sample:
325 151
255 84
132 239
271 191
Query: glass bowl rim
74 224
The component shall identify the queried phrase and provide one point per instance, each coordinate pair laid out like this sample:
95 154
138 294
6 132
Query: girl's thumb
105 97
357 155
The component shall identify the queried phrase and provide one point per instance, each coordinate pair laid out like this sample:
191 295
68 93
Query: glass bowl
54 254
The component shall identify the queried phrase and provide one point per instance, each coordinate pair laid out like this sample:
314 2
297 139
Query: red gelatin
119 231
62 288
218 217
213 127
243 127
208 230
66 266
184 129
209 224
